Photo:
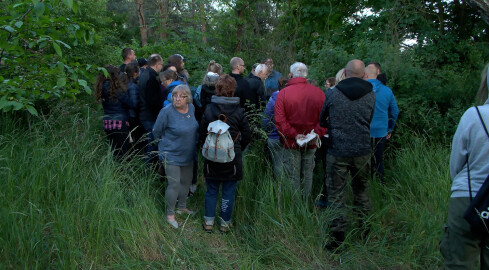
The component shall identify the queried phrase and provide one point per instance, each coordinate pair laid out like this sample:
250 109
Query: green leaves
37 38
57 49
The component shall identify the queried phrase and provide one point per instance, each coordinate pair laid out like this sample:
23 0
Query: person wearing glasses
242 86
176 129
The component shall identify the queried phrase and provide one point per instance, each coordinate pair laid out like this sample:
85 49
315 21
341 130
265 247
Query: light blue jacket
470 138
385 112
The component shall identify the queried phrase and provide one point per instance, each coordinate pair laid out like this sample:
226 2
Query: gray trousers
179 180
299 166
461 249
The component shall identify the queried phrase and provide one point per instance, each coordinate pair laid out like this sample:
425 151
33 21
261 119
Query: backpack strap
468 170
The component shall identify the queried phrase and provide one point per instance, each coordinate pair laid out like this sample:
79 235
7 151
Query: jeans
299 167
378 145
227 200
276 150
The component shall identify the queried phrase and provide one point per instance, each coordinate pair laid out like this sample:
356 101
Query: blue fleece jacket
177 134
385 112
470 138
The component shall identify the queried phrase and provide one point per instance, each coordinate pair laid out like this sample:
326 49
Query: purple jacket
268 119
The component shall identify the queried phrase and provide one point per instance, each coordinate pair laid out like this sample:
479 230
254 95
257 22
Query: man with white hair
296 114
257 88
347 113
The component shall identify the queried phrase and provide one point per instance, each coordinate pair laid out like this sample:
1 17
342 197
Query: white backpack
218 145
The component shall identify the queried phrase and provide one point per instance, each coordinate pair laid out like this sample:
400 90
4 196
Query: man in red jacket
297 112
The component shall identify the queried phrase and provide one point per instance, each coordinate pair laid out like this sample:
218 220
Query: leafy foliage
36 37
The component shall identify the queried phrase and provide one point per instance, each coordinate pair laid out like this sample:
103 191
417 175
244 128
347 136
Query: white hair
261 68
298 69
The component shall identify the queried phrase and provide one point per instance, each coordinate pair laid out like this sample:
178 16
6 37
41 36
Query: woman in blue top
176 129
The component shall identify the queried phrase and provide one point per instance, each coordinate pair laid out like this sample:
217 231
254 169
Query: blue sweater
268 119
177 134
385 112
470 138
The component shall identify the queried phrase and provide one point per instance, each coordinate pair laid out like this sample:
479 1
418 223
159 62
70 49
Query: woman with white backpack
225 173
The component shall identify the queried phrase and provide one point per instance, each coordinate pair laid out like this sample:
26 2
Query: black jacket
256 91
239 128
242 87
150 96
347 113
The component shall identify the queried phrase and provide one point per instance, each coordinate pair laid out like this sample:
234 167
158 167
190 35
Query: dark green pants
461 249
339 170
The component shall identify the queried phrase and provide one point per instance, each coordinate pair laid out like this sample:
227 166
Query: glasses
181 97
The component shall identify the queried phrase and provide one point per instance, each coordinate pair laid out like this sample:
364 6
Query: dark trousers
151 148
462 249
377 161
119 140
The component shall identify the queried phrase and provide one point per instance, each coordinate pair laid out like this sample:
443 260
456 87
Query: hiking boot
207 227
337 239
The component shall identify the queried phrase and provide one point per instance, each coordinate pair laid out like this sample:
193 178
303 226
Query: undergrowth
65 203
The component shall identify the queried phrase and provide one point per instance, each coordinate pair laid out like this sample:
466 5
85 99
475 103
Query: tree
142 23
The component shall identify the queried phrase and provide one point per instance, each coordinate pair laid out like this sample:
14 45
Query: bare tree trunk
203 22
163 4
239 31
142 24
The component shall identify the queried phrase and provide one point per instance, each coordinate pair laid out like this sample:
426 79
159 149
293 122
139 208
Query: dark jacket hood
354 88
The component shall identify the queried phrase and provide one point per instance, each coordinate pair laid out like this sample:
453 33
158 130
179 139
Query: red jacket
297 111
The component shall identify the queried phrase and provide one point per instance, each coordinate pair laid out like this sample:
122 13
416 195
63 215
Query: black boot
336 241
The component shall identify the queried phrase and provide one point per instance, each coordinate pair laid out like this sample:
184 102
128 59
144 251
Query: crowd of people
149 106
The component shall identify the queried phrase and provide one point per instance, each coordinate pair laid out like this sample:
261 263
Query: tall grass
65 203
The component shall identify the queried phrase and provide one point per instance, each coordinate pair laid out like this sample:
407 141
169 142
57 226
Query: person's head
298 70
376 67
155 62
177 60
225 86
482 96
181 96
128 55
214 67
168 76
370 72
132 70
282 82
237 65
169 66
355 68
330 82
261 71
340 75
269 63
253 68
312 82
115 83
142 62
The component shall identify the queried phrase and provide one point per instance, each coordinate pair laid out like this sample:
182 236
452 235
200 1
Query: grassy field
65 204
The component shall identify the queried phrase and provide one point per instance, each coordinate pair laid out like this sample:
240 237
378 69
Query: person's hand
388 136
300 136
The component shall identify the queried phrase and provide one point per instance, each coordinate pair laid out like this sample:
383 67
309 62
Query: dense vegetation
66 204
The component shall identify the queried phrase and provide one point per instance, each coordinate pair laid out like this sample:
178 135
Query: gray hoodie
470 138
